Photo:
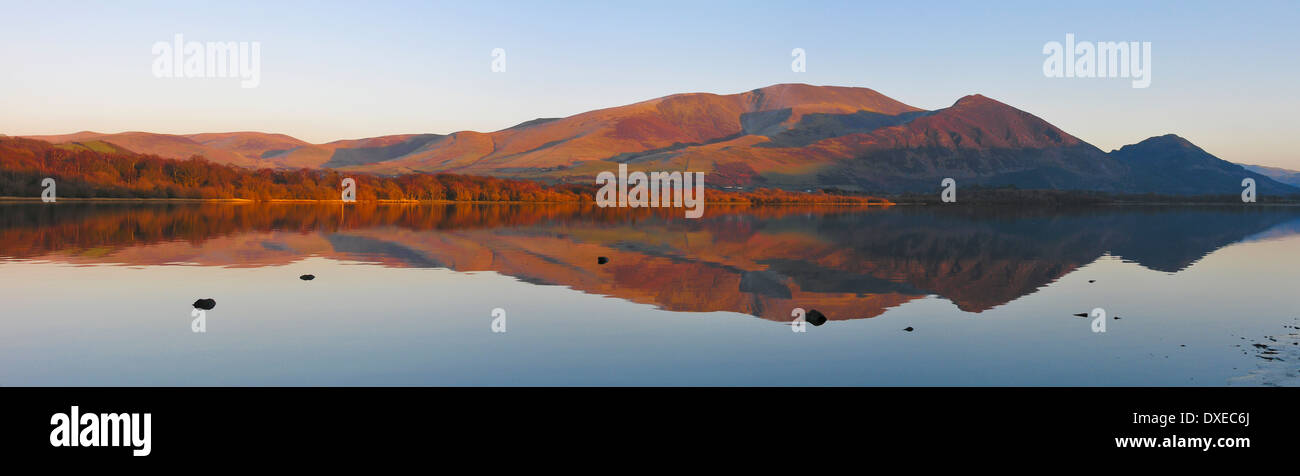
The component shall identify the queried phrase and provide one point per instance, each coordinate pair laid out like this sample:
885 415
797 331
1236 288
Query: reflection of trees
28 229
764 261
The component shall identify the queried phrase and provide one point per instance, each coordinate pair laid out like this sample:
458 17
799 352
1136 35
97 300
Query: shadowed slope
1172 164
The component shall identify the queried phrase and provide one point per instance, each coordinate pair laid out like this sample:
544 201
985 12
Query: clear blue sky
1224 73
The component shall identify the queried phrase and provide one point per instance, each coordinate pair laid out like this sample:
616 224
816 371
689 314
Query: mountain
582 145
343 153
976 141
1286 176
1172 164
790 136
243 149
544 144
251 145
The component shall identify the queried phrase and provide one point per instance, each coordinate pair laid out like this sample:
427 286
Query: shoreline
12 199
1098 204
413 202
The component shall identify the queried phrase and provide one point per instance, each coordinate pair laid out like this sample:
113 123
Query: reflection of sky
360 324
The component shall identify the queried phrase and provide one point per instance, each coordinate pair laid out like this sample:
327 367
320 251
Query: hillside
82 171
786 136
1286 176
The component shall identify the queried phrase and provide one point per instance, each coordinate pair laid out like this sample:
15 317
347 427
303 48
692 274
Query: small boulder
908 328
602 260
205 304
815 317
307 277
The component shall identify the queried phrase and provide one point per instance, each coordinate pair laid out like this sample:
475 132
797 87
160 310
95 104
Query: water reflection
846 263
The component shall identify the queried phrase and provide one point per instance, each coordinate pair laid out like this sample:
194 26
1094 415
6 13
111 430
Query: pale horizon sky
1223 75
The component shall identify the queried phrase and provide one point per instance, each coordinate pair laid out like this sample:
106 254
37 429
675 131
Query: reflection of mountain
846 263
1280 231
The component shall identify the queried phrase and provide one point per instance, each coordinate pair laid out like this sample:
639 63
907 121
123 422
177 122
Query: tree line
83 172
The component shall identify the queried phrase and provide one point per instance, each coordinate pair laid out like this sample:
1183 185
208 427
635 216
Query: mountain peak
1172 164
785 85
1163 142
812 99
972 100
978 122
780 87
1168 139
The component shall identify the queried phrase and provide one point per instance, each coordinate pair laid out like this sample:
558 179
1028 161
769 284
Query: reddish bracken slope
792 136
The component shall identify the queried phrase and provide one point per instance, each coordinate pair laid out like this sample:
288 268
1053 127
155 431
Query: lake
102 294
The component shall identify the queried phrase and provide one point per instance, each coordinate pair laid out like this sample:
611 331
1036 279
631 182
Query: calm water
101 294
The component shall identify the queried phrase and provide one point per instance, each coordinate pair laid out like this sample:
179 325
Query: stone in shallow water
602 260
205 304
307 277
815 317
908 329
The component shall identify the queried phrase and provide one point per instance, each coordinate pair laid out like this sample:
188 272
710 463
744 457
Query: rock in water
205 304
602 260
908 328
815 317
307 277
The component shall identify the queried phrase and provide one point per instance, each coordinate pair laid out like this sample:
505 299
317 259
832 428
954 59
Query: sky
1224 74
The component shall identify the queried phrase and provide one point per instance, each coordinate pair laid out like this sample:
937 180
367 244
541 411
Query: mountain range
792 136
1289 177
